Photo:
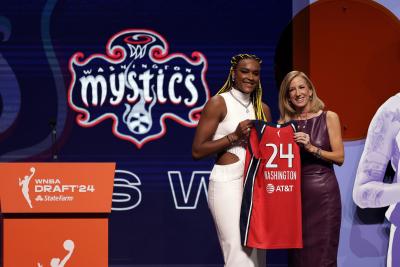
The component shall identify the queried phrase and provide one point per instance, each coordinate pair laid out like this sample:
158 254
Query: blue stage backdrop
125 81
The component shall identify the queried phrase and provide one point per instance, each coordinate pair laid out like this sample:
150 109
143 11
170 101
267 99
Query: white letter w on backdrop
187 199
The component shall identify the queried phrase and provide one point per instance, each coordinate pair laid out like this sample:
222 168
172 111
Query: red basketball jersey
271 205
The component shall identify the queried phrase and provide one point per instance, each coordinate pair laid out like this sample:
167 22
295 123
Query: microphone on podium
53 124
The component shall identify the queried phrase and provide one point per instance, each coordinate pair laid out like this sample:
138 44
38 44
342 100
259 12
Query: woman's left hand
303 139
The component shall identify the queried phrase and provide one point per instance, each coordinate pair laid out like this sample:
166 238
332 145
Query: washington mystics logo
138 85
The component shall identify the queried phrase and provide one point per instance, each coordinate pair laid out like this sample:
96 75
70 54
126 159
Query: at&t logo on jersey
138 85
270 188
279 188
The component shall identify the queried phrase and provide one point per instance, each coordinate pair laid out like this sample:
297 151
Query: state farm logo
138 85
50 189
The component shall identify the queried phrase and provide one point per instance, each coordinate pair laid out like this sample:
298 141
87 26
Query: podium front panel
55 242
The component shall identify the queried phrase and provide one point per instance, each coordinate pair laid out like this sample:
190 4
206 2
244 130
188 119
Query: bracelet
318 153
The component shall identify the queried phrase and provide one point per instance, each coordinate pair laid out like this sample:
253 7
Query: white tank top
235 113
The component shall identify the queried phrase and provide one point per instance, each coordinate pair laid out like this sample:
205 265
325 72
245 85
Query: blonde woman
319 136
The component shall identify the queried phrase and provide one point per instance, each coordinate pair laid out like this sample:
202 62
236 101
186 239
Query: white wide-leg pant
224 200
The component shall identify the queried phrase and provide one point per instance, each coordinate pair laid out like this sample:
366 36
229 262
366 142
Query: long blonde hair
256 95
286 109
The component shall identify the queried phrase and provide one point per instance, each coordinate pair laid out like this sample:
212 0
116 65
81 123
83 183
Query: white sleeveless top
235 113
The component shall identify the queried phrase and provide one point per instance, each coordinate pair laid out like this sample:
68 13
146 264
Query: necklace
246 106
302 119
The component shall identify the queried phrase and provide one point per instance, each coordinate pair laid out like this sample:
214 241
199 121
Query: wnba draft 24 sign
56 187
138 85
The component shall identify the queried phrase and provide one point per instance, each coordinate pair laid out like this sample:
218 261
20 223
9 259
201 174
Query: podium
55 214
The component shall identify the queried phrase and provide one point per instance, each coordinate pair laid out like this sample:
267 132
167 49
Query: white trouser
224 200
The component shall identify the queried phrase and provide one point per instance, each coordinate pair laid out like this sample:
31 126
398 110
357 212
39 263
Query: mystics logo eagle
138 85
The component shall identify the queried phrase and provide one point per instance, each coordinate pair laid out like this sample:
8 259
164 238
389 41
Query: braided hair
256 95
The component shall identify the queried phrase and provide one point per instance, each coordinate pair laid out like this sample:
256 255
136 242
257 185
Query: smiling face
300 94
247 75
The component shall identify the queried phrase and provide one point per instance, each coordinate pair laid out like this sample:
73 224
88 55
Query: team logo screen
138 85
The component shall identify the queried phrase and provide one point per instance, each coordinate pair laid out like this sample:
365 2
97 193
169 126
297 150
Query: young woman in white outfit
223 130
